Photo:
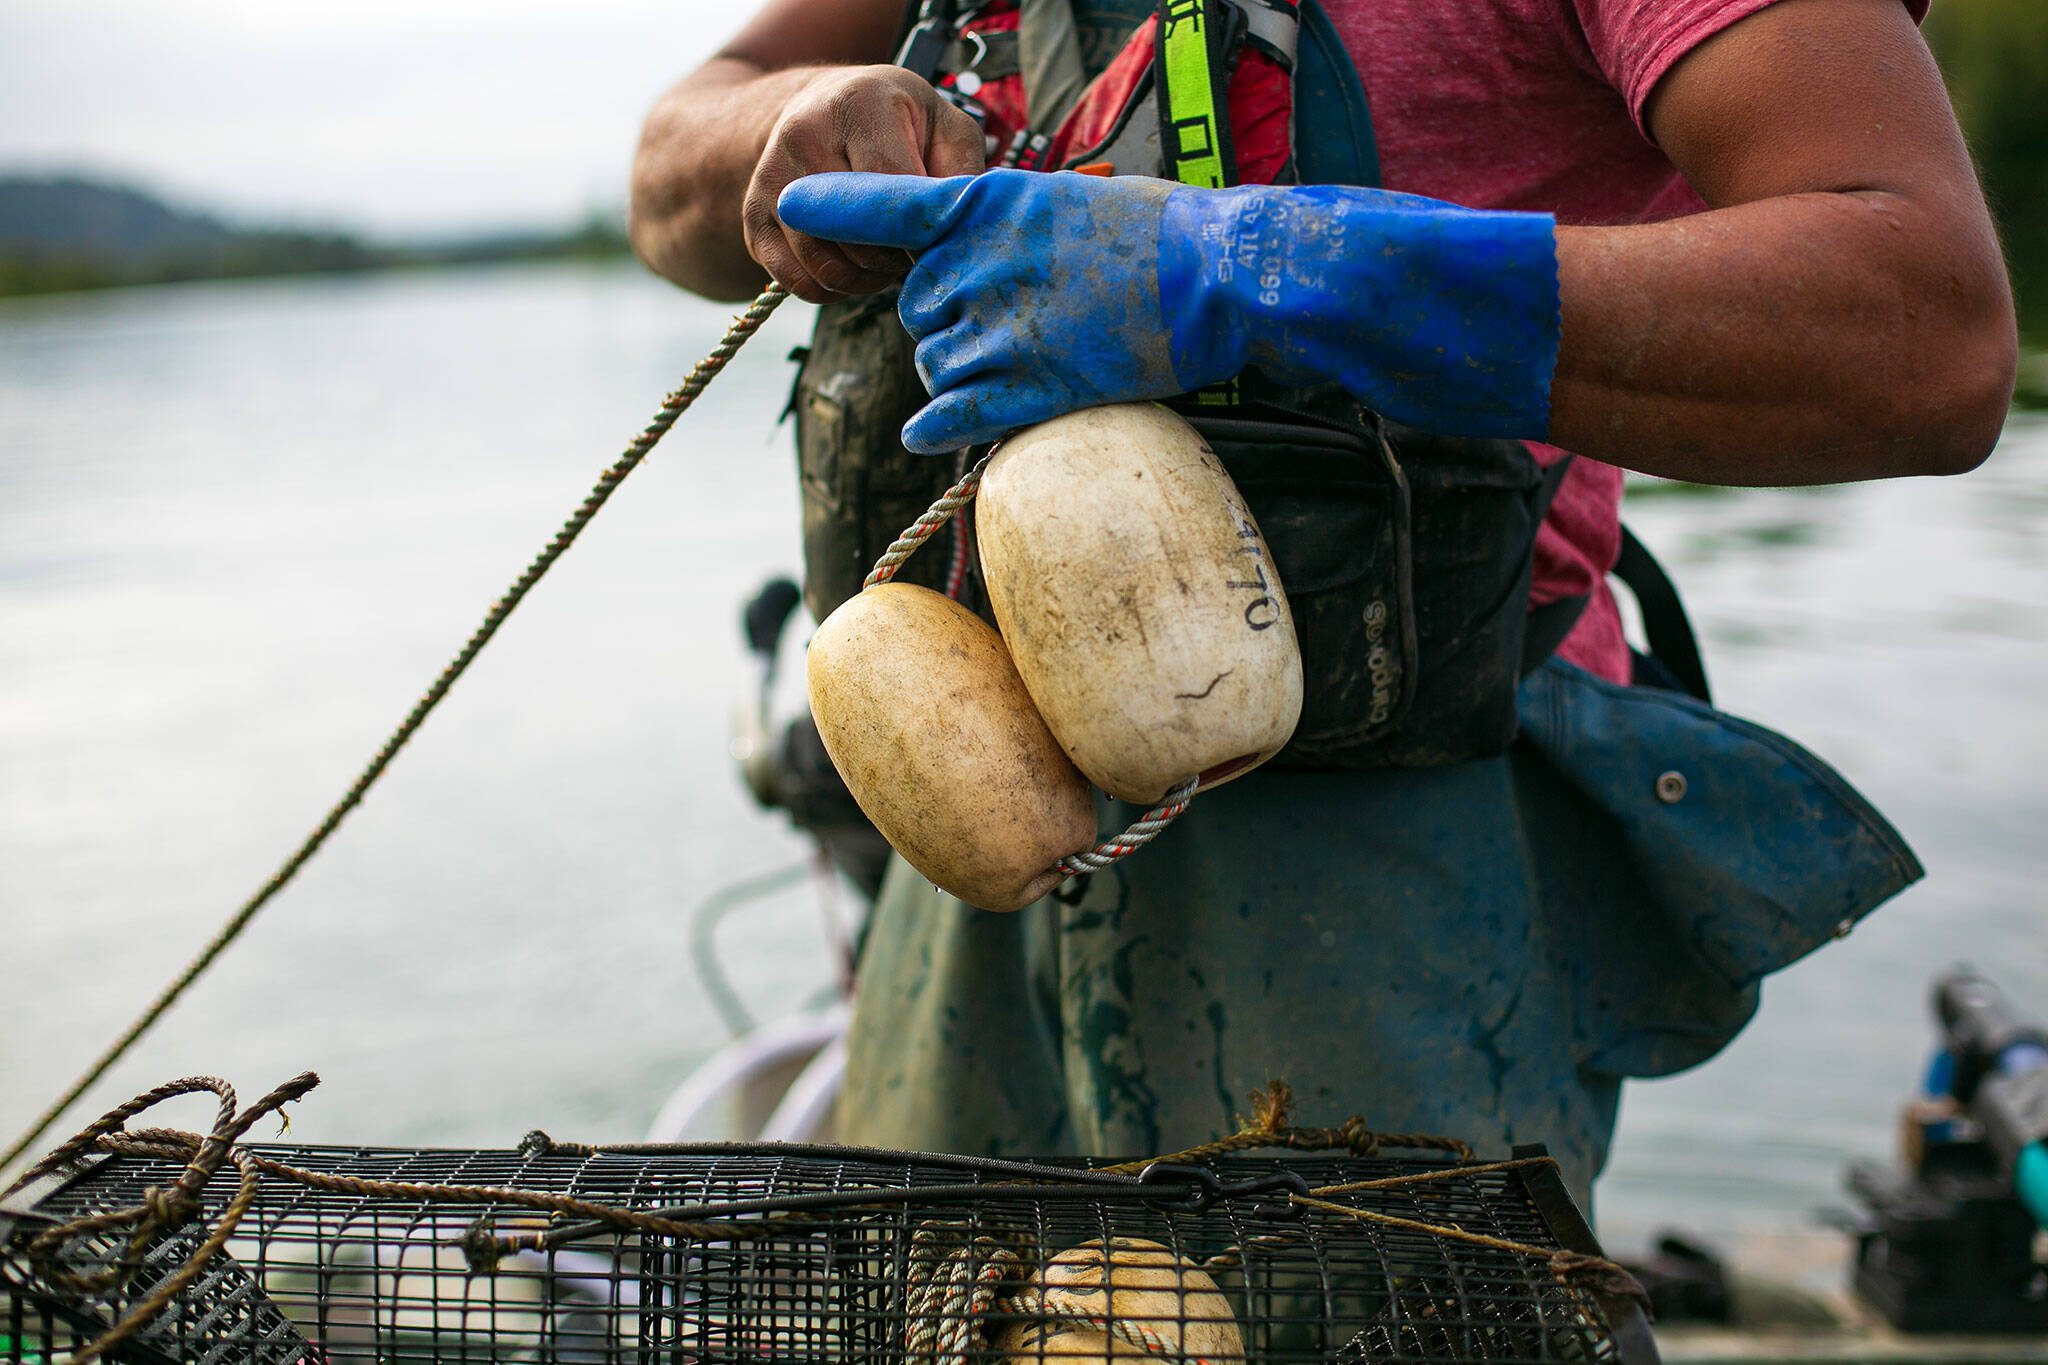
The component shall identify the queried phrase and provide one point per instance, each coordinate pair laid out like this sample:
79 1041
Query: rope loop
1143 831
163 1209
955 1277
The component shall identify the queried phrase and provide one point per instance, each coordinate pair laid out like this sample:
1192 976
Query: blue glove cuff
1441 317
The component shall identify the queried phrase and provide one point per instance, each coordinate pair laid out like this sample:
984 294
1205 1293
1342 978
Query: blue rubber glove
1037 294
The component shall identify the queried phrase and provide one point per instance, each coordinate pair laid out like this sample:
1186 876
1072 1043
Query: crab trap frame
155 1247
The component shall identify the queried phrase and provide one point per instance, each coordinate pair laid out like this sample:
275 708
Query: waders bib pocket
1478 505
1333 503
1407 564
856 386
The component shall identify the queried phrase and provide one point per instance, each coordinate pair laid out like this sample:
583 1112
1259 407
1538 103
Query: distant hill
73 215
65 233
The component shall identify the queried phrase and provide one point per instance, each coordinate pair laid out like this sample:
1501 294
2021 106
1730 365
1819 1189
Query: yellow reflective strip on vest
1192 138
1193 108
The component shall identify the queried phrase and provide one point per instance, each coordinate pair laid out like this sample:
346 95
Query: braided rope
161 1210
921 530
1270 1124
1571 1269
950 1289
672 407
1143 831
1148 826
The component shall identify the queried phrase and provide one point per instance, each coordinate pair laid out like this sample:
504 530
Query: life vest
1406 556
1202 92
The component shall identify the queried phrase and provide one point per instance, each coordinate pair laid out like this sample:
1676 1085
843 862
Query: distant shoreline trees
1994 55
63 234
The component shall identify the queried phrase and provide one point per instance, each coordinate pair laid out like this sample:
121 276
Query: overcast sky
401 117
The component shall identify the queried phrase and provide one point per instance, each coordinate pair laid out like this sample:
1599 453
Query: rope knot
163 1209
481 1249
1358 1139
1578 1270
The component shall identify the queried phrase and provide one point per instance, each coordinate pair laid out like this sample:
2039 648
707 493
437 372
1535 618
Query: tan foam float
1138 1285
929 724
1145 641
1139 600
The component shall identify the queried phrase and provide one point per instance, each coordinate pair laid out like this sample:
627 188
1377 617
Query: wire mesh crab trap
747 1253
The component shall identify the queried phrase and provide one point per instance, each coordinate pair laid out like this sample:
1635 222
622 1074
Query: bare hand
864 118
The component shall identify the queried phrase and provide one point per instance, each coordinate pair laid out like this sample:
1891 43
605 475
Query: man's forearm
697 154
1810 338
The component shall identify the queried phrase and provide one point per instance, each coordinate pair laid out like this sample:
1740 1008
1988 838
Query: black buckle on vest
924 47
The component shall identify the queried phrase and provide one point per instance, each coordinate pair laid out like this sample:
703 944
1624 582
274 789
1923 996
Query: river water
241 525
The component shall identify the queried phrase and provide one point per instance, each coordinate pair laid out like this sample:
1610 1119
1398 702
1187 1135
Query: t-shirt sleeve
1636 41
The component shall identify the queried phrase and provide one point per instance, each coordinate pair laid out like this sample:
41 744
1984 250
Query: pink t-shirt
1538 104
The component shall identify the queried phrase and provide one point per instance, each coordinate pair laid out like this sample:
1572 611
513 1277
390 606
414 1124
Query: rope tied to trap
161 1210
961 1279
